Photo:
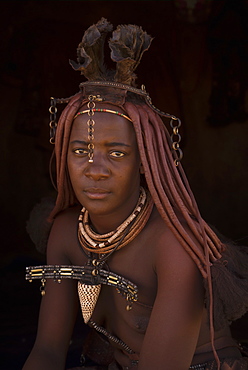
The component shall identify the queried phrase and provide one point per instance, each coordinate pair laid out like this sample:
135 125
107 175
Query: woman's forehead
105 125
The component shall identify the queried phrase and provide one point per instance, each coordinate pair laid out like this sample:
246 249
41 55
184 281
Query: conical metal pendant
88 295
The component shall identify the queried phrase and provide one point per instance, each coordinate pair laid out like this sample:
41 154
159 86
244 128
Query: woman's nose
97 169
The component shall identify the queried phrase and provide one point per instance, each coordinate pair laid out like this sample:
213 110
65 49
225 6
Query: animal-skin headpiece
127 45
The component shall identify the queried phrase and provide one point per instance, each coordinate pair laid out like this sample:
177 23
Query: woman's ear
141 169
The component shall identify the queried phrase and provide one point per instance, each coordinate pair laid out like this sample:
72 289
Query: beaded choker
124 234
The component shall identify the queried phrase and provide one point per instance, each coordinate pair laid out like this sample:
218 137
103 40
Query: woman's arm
56 321
173 329
59 305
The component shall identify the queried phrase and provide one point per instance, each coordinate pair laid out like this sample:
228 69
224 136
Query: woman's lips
94 193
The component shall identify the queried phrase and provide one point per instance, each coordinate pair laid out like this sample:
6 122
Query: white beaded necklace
105 243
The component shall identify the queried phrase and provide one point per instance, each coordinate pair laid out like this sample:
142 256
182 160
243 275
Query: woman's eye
80 151
117 154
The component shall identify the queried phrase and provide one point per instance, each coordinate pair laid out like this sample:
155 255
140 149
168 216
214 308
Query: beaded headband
103 110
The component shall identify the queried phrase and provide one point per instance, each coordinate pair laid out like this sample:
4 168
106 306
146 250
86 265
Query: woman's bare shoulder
171 246
68 214
63 240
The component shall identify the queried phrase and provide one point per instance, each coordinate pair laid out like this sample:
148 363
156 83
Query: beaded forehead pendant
91 122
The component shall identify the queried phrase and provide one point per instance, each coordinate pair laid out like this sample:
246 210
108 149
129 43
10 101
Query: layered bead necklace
106 244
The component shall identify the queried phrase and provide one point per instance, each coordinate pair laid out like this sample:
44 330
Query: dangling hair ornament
175 123
53 120
91 105
127 45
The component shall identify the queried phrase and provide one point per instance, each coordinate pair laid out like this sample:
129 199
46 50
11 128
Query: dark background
196 69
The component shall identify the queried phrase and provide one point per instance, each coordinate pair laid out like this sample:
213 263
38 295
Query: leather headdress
128 43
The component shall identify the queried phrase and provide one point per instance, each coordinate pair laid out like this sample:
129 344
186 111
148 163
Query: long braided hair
166 182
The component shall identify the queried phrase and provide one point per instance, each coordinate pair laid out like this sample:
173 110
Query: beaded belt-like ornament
88 277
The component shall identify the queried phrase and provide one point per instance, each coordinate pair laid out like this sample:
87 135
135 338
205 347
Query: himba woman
156 285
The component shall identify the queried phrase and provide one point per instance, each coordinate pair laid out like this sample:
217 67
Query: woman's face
110 185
